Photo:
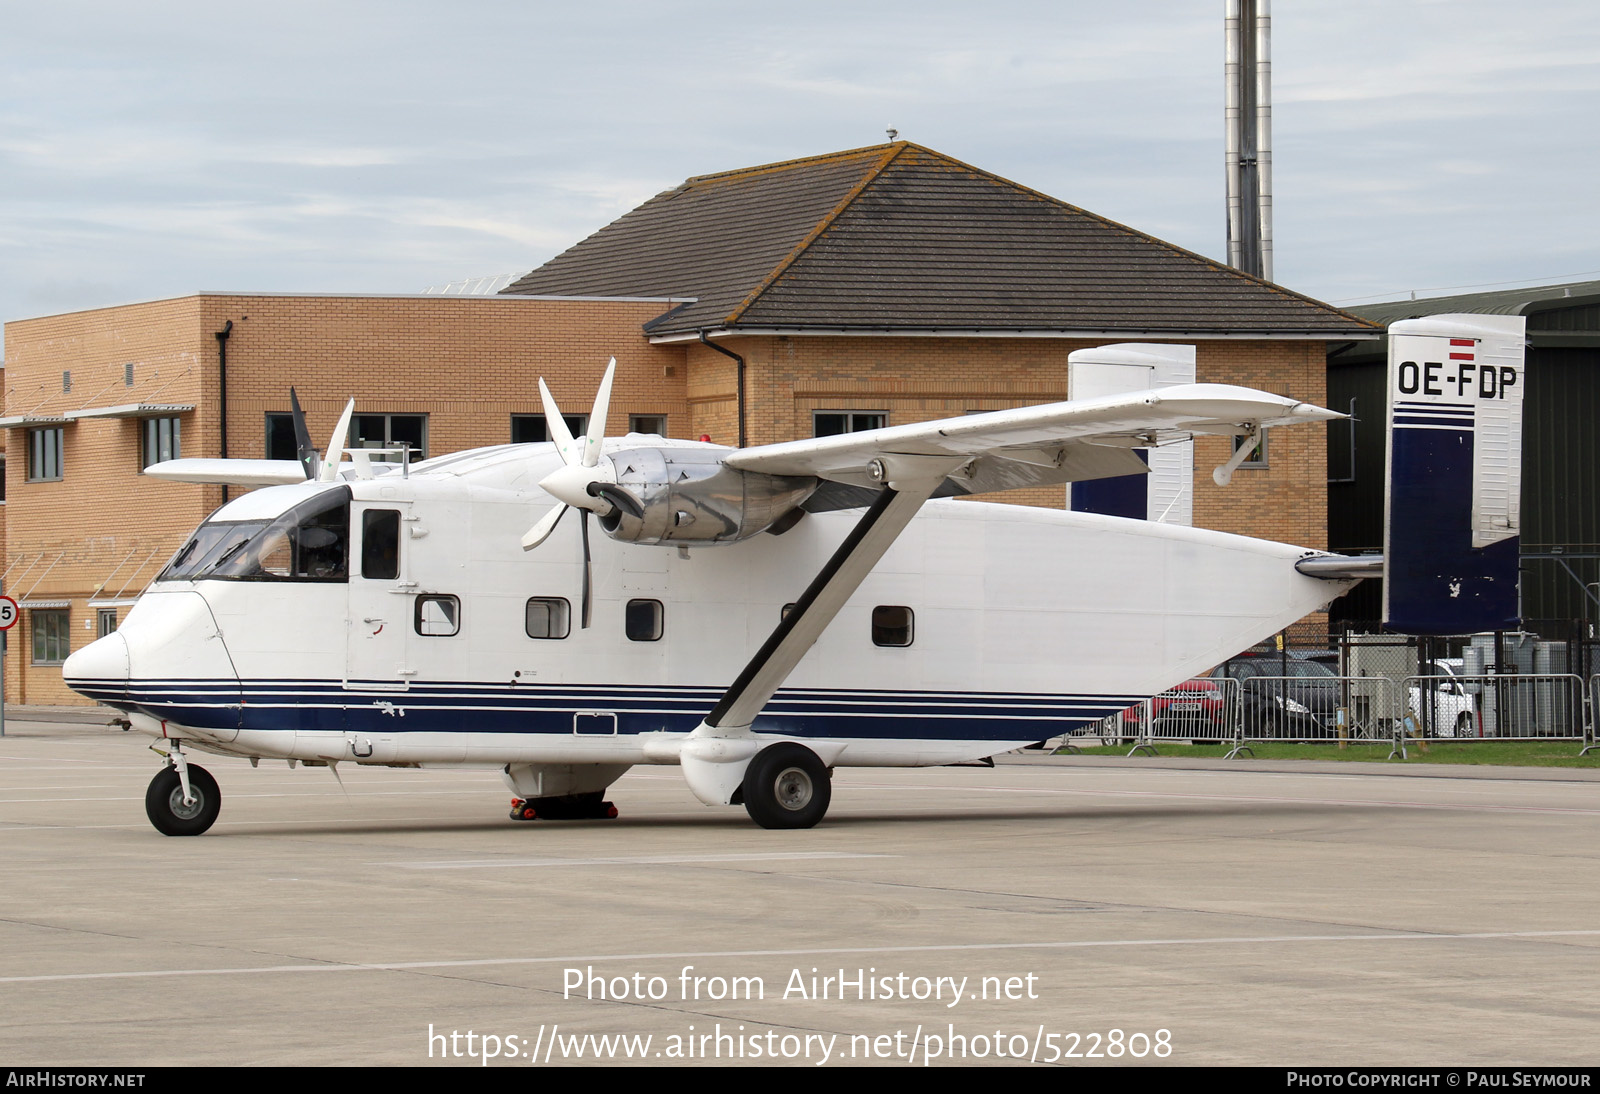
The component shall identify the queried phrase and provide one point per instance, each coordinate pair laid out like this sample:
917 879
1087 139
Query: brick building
878 286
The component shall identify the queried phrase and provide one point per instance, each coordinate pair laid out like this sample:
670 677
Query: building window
438 615
654 425
642 620
51 636
1257 458
280 438
891 625
44 454
533 429
107 622
389 431
160 440
830 423
548 617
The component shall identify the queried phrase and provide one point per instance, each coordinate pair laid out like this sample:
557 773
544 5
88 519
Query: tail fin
1452 513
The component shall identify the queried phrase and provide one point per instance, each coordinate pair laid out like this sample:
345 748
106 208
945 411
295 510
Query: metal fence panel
1351 709
1523 706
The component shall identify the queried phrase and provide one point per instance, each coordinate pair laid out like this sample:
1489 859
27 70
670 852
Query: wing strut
712 757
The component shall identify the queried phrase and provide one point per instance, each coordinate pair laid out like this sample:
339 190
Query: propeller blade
588 574
309 460
597 421
542 529
330 466
556 425
618 497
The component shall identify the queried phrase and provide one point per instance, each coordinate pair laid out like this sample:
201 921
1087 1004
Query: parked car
1449 709
1196 709
1284 694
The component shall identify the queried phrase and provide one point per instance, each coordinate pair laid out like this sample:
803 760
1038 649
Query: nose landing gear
183 799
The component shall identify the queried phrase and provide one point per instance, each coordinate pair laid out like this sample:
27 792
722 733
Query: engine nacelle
689 496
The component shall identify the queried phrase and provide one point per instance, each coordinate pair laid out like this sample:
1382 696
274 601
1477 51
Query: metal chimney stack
1248 116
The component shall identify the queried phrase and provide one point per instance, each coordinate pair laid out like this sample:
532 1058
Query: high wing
1038 445
229 472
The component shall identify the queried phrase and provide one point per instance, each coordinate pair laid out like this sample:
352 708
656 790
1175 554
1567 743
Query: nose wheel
175 813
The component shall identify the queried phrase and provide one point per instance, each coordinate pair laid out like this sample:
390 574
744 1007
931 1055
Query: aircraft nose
100 669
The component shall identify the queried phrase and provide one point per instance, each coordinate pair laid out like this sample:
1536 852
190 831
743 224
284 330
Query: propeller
316 466
582 482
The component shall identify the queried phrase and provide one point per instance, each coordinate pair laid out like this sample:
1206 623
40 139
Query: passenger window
380 544
642 620
891 625
548 617
438 615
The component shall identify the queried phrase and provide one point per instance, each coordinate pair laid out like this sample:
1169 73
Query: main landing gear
786 786
177 810
574 807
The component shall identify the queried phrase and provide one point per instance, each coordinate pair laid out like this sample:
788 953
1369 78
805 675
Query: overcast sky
159 148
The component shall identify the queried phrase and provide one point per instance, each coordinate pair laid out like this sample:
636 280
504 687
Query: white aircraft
407 616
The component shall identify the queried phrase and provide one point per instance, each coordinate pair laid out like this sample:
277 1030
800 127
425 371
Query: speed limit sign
8 613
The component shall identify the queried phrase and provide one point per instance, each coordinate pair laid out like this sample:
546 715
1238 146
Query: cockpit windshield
308 543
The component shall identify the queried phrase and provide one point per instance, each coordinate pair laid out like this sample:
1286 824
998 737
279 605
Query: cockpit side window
310 542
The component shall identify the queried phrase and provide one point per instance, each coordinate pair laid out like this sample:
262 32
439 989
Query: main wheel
164 804
786 786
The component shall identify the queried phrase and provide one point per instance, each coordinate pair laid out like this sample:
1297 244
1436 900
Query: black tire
163 802
786 786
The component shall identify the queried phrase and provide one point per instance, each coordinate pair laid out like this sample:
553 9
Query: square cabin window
642 620
438 616
548 617
891 625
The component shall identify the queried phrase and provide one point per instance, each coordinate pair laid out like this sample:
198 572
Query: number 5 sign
8 613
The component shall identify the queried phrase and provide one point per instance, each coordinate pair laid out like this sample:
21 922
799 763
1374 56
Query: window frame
42 451
635 422
565 616
851 423
41 638
435 598
581 426
660 619
878 628
387 515
150 440
417 455
1258 459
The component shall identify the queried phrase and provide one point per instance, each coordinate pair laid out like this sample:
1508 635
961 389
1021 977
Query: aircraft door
377 647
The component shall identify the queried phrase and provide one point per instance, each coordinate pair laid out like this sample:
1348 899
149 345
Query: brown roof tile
901 238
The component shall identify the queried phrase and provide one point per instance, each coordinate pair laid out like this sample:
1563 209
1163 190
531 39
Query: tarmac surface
1210 912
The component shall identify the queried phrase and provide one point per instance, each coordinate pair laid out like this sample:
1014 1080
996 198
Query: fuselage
396 620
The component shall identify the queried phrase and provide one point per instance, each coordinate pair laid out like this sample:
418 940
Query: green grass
1496 753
